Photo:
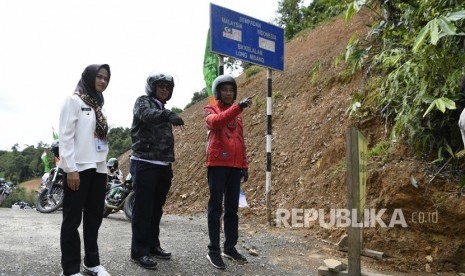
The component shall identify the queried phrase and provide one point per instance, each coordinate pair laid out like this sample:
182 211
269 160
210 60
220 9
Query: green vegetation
355 104
294 17
120 141
417 48
176 110
381 149
20 194
18 166
337 169
252 70
277 95
197 97
415 55
314 72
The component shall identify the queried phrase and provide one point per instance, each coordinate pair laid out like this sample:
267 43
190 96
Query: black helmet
112 164
223 79
155 77
54 148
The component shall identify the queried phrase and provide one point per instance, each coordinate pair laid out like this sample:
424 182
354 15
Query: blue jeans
223 182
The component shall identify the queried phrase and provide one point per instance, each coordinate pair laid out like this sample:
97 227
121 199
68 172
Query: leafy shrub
277 95
295 17
252 70
197 97
418 50
381 149
20 194
120 141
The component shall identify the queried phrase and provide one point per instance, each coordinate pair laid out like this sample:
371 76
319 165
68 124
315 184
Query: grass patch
252 70
381 149
314 73
277 95
337 169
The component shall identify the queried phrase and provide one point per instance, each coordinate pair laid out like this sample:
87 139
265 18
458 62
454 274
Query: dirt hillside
31 185
308 157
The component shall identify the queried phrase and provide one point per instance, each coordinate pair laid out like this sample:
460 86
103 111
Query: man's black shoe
216 260
145 262
235 256
158 252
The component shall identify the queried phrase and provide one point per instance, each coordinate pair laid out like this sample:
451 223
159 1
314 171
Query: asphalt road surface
29 245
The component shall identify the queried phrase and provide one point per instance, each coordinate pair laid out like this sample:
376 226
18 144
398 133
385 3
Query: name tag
86 109
101 145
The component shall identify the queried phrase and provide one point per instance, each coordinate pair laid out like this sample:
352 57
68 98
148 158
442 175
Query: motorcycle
119 196
5 189
50 197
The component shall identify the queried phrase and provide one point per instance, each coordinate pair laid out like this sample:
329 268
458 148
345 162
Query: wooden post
356 148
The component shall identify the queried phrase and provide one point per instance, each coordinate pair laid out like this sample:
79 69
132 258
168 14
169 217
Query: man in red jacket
227 166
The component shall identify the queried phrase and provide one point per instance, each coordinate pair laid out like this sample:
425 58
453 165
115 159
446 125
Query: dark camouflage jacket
151 133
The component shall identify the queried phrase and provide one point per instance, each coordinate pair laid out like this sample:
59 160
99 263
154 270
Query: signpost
248 39
245 38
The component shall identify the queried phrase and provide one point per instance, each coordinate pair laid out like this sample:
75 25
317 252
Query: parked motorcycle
119 194
5 189
50 197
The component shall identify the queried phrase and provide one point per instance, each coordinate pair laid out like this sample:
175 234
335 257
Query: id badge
101 145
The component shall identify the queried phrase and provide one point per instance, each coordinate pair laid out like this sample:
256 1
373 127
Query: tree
176 110
197 97
291 17
320 11
119 139
295 17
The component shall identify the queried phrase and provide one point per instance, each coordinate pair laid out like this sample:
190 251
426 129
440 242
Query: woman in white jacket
83 152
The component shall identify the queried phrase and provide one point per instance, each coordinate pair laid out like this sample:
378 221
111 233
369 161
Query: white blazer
77 141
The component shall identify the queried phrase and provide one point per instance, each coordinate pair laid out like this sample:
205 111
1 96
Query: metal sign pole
269 104
220 65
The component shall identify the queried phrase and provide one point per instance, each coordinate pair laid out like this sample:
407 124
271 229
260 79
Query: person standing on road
226 167
83 148
152 155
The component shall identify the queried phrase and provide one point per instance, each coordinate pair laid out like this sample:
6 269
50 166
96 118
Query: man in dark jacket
227 166
152 155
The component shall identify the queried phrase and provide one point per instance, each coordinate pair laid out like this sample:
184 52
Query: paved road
29 245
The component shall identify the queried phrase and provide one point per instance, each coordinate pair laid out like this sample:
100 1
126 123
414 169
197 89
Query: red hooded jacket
226 145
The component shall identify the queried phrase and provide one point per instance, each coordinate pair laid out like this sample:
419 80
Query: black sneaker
235 256
216 260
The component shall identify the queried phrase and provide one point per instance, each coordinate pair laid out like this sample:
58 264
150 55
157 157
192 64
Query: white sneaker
75 274
96 270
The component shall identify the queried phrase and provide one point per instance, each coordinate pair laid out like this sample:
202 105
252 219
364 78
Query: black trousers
151 186
224 182
86 205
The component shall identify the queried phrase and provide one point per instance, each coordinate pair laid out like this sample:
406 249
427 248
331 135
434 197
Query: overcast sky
45 45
